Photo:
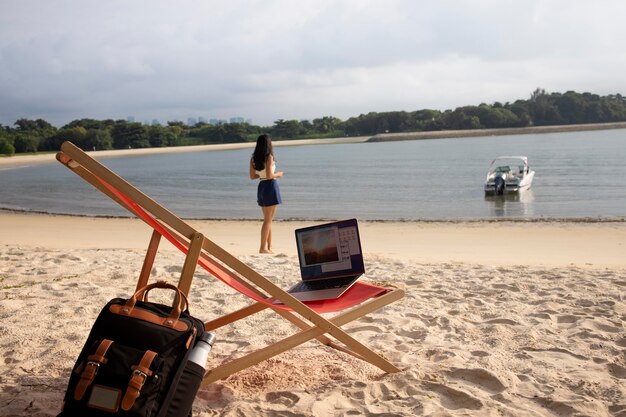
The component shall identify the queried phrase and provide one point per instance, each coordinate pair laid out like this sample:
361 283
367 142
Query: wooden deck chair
361 299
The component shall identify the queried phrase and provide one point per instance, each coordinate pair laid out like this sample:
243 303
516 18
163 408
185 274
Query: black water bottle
192 376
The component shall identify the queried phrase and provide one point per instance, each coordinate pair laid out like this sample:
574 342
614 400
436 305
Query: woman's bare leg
266 229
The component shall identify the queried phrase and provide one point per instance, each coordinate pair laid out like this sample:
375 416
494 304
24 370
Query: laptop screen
330 250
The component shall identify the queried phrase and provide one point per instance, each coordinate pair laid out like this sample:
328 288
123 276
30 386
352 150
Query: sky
265 60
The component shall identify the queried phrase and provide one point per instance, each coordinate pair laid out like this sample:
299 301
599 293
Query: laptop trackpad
319 294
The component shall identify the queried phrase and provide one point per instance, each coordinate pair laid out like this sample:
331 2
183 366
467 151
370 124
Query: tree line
541 109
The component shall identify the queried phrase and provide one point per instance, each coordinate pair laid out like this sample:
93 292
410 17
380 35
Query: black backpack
135 361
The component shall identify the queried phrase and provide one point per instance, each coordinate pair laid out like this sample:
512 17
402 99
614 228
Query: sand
499 319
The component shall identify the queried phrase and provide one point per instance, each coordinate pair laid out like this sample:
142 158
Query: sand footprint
173 269
480 378
501 321
543 316
554 352
601 325
506 287
368 328
286 398
415 335
567 319
454 399
70 257
438 354
617 371
557 407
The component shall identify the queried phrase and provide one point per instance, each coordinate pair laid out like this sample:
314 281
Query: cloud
272 59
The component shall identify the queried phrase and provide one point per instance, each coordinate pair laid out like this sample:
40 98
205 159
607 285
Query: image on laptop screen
330 250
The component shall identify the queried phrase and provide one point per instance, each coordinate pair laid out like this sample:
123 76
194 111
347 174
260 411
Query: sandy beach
499 318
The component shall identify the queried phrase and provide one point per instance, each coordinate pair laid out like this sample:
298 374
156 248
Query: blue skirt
268 193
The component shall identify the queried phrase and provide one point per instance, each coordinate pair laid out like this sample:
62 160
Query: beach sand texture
476 335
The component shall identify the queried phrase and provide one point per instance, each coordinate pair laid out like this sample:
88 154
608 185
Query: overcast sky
265 60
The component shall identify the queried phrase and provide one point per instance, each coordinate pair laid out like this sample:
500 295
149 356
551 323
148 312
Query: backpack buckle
141 374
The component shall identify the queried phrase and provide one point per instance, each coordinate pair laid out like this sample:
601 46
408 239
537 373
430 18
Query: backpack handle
180 301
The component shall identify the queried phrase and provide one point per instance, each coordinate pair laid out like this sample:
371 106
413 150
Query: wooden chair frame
218 262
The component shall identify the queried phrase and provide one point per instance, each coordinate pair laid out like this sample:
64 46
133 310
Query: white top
261 173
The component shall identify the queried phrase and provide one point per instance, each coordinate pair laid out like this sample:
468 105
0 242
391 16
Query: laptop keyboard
325 284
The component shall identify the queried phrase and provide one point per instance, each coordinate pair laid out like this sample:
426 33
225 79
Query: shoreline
495 220
26 160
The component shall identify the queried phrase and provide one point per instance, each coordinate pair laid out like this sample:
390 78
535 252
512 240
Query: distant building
191 121
213 121
236 120
130 119
202 120
155 122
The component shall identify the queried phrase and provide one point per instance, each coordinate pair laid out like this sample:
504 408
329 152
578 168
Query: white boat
508 174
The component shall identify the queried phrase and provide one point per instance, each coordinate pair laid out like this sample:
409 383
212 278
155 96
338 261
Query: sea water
578 175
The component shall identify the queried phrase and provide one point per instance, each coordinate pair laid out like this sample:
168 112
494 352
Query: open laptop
330 259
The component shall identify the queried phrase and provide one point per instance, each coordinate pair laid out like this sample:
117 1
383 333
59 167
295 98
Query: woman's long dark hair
262 151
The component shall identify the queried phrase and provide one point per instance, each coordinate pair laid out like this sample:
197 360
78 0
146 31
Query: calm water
578 175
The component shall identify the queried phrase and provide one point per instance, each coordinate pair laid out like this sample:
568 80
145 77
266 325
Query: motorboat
508 174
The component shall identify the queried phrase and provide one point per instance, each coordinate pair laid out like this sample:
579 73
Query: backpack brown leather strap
140 373
91 368
180 303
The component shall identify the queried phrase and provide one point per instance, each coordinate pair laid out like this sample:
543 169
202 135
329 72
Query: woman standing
263 166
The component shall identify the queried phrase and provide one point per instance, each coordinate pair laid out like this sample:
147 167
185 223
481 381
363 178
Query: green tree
157 136
287 129
327 124
90 124
130 135
461 118
176 130
25 142
613 109
6 142
428 120
33 133
542 110
496 117
571 106
6 148
210 133
364 124
76 135
98 139
170 137
520 109
235 132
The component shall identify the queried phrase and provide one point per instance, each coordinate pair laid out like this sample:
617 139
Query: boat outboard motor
499 185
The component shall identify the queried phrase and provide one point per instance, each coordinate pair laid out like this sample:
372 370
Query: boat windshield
508 165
